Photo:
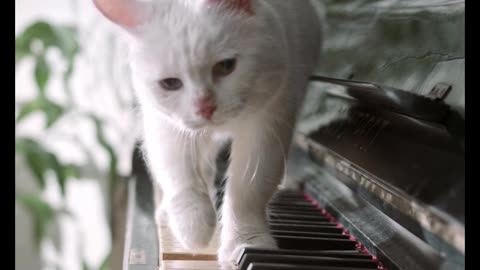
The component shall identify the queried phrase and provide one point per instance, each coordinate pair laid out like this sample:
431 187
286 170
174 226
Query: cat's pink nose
206 107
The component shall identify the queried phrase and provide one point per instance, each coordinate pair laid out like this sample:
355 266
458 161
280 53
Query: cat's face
201 65
198 71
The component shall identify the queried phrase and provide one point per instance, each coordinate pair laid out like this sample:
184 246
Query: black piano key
292 220
283 202
307 212
313 243
288 200
319 217
314 220
305 228
276 266
289 196
352 254
305 260
292 203
294 210
300 222
293 207
299 227
312 211
310 234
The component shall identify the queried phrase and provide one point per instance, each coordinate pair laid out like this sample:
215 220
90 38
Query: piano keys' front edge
188 257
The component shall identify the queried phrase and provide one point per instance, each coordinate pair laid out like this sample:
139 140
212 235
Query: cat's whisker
278 119
248 166
255 172
208 161
193 165
198 160
282 148
184 147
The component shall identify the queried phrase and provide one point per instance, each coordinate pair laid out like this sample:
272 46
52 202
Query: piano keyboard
307 237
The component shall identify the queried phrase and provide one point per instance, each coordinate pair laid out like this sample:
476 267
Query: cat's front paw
231 248
192 219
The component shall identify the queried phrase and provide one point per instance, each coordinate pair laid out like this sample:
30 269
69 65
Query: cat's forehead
173 51
192 21
195 36
192 43
183 37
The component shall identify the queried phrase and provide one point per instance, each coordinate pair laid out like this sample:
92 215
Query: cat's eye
171 84
224 67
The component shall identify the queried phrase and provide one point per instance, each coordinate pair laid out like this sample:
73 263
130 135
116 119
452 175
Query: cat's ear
128 14
243 5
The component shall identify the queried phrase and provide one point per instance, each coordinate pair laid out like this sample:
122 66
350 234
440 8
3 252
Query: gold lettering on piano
428 218
330 161
353 175
363 180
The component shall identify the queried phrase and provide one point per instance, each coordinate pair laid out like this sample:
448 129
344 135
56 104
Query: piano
380 185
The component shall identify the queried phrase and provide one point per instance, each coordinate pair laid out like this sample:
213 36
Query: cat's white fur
276 49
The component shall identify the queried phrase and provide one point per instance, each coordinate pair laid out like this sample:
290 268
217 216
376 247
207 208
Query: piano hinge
440 91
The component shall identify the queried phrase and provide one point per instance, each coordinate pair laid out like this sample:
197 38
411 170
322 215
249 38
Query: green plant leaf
42 73
52 110
41 212
46 36
57 167
21 53
71 170
67 41
113 176
29 108
39 160
105 263
39 31
85 266
35 157
62 37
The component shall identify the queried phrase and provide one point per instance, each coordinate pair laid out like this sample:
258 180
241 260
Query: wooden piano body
386 174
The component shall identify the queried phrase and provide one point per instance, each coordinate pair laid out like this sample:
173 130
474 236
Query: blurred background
75 134
76 127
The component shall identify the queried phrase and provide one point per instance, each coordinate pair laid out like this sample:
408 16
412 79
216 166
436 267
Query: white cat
207 71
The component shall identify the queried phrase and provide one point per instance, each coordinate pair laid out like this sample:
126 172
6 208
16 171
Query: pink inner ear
245 5
127 13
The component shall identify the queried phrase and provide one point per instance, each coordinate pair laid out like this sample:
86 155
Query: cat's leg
257 166
173 159
209 150
160 213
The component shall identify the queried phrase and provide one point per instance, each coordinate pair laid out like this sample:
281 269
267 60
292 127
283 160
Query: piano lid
413 143
400 150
